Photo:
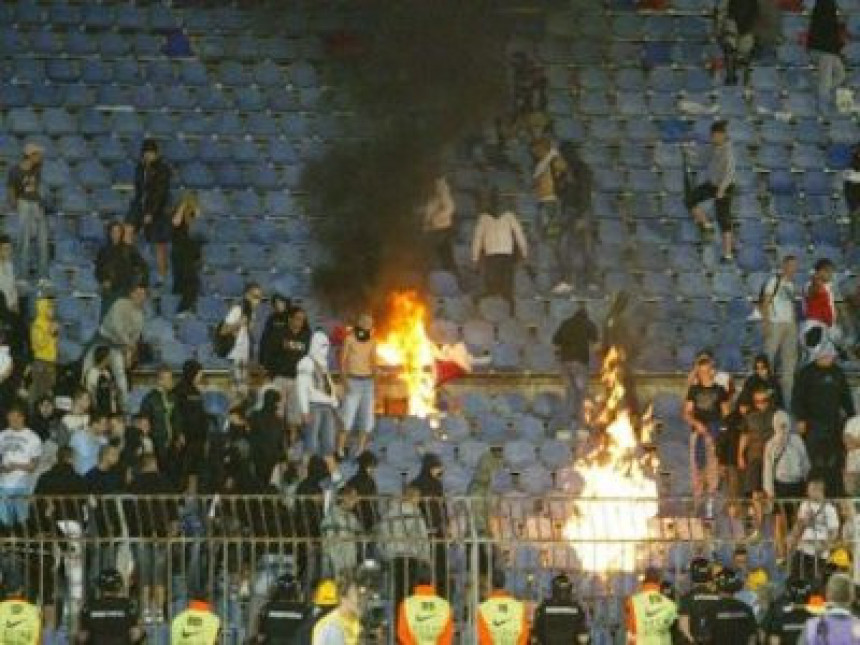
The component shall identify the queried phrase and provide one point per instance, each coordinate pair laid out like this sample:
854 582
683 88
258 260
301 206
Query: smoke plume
428 73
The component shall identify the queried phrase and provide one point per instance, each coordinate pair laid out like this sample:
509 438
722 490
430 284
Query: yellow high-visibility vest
652 617
20 623
427 616
504 618
197 625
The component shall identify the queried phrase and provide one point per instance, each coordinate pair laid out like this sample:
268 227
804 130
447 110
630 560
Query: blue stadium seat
556 454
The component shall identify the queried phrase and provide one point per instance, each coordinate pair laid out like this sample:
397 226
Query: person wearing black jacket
737 22
365 485
821 403
429 483
64 484
825 43
851 189
309 515
192 423
158 406
109 268
762 378
285 342
268 439
272 341
148 210
574 341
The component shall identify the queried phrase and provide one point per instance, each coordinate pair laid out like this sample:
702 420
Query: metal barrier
233 547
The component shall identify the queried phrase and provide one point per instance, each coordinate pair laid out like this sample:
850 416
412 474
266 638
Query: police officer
197 625
111 618
695 606
20 620
786 618
650 614
560 619
501 617
282 617
424 618
732 620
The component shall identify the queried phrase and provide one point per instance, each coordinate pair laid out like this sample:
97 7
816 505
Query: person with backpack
776 306
233 338
836 626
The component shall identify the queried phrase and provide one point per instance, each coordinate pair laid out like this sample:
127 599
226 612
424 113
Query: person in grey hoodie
316 397
120 331
719 186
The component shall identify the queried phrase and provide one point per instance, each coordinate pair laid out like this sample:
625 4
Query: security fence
233 548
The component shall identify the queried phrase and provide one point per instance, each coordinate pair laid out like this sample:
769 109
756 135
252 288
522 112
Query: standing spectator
358 371
727 447
821 402
779 322
24 189
435 511
550 176
736 22
574 340
7 273
719 186
364 484
87 442
43 344
316 398
271 352
186 253
268 439
757 431
851 438
439 225
238 325
192 424
148 209
100 383
825 43
707 404
837 623
816 528
498 240
309 515
851 190
135 270
20 449
120 330
762 378
576 204
158 406
342 532
819 302
109 269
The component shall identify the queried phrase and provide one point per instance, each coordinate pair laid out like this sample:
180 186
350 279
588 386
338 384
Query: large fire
405 345
618 502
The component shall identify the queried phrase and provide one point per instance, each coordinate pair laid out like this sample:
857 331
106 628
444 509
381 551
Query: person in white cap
24 190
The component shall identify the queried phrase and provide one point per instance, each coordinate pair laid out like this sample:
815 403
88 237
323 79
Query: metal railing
233 547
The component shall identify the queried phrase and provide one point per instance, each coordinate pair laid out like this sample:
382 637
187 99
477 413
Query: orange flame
405 344
619 499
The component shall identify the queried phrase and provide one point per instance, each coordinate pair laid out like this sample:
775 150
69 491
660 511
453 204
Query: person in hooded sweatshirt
192 424
316 398
429 484
274 332
268 439
762 378
364 484
295 345
43 343
480 490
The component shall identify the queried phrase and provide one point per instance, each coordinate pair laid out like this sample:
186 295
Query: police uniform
281 621
197 625
732 621
20 622
786 621
425 619
697 605
109 620
650 616
559 623
502 621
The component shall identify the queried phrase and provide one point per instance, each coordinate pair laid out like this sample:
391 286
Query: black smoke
427 73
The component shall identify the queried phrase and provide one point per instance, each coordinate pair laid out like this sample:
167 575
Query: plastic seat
555 454
23 121
478 334
57 122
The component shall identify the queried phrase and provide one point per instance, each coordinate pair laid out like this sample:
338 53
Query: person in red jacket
818 299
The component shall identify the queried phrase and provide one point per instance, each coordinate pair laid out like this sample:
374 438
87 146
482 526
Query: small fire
619 500
405 344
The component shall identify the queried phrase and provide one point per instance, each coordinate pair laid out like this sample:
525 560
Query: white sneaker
561 289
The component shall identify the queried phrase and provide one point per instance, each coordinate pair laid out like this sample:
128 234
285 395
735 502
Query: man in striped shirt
719 186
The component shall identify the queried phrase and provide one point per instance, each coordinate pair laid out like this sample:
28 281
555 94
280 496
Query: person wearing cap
821 403
695 607
358 370
560 619
110 619
196 625
424 618
24 190
20 620
502 619
650 616
341 625
149 206
836 625
732 620
719 186
787 616
282 617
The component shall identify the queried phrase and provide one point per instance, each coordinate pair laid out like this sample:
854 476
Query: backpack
764 299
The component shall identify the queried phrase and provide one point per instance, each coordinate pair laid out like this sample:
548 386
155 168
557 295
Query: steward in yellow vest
650 614
425 619
501 617
197 625
20 621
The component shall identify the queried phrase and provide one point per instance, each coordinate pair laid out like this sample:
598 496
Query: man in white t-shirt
239 323
20 449
816 528
851 438
779 322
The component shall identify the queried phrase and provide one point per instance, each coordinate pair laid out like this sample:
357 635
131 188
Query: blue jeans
358 404
32 223
13 511
575 375
320 432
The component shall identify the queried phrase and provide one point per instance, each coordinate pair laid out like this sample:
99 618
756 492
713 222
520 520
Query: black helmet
728 581
798 591
110 581
561 588
700 570
286 586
